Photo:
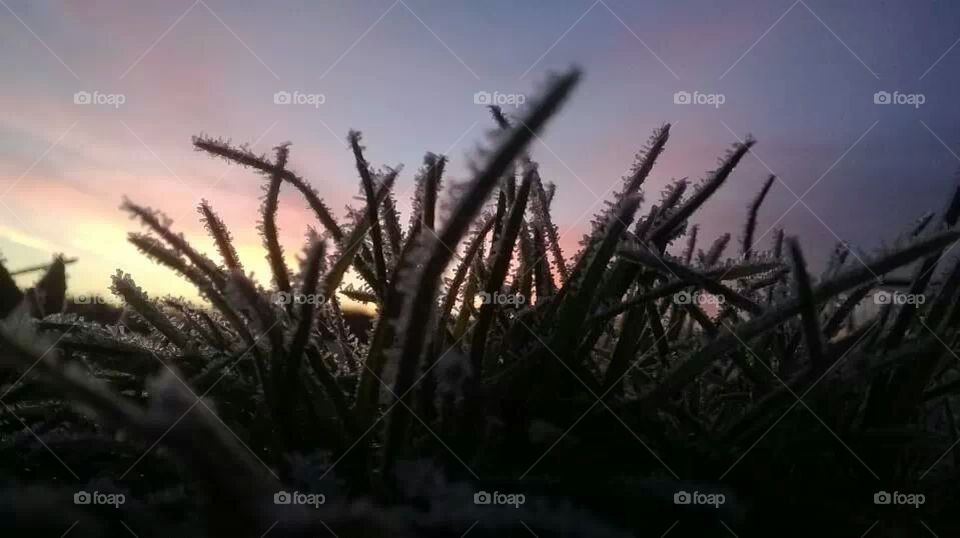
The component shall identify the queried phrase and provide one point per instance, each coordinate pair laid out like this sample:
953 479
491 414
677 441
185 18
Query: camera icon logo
82 98
882 98
86 299
282 98
682 497
681 98
82 497
282 497
482 497
482 98
882 497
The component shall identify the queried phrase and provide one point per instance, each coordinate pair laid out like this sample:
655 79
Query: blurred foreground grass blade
10 294
382 339
437 254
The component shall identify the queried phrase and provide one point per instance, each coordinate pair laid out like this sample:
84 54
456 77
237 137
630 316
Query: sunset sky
800 76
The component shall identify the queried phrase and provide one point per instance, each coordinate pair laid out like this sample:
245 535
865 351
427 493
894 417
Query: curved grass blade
268 226
438 254
373 211
502 254
221 236
717 178
751 225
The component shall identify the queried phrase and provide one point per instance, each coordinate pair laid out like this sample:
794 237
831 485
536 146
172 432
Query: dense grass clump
593 393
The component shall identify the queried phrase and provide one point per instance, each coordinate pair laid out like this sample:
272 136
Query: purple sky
800 76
